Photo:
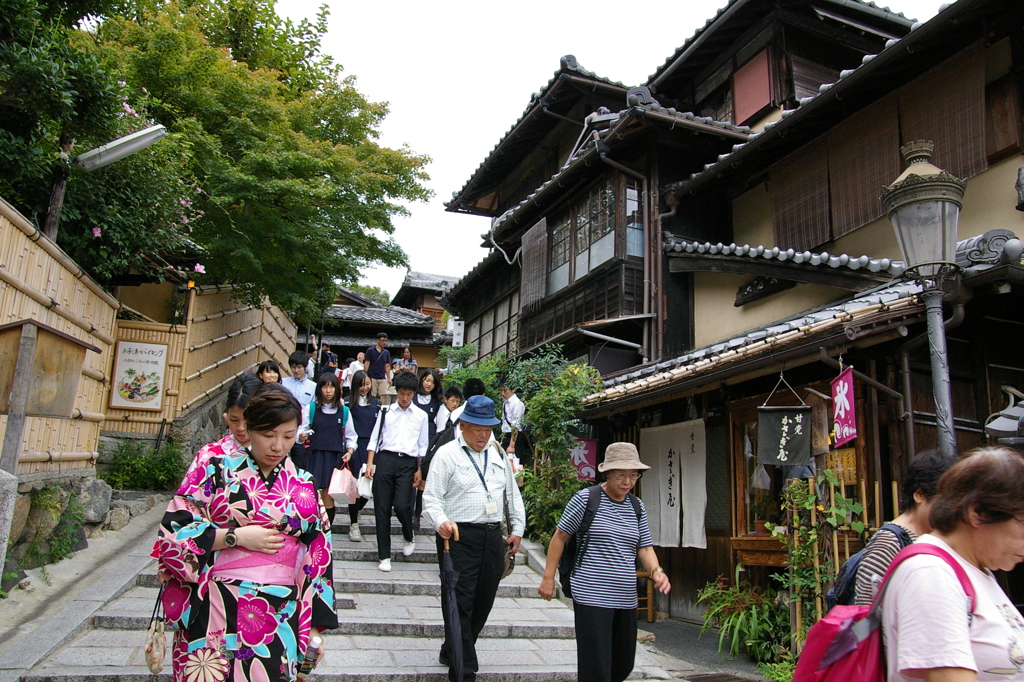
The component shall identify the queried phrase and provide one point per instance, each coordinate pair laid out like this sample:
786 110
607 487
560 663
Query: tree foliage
371 292
287 187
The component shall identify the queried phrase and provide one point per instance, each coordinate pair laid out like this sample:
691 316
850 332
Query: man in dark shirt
378 368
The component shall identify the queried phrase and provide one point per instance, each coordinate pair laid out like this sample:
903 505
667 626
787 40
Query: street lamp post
924 204
90 161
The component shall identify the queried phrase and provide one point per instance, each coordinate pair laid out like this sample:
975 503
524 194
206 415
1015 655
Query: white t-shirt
925 621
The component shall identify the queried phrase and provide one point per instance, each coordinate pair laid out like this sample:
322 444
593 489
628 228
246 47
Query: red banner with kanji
844 415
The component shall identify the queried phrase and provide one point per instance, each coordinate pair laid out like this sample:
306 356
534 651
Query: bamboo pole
895 500
878 505
28 457
835 539
864 502
817 563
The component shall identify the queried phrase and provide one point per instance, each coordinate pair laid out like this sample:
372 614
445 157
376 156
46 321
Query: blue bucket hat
479 410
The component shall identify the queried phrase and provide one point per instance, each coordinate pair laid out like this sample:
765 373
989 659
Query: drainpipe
905 350
603 150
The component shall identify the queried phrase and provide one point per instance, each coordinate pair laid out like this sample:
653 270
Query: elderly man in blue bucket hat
470 482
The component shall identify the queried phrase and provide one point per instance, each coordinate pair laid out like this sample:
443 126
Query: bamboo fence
39 281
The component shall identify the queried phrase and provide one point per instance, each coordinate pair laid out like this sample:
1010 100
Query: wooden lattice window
560 242
535 264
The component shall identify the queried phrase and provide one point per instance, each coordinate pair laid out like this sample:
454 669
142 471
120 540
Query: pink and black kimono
244 616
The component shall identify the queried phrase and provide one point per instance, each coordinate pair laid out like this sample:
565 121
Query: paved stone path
391 627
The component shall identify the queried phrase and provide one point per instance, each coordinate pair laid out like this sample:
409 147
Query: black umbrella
450 609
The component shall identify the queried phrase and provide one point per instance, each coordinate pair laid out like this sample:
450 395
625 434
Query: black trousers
605 643
392 488
478 558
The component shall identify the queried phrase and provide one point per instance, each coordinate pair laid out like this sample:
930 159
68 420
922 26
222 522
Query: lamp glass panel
951 219
919 231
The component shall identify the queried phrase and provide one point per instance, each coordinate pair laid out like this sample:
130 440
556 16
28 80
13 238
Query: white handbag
365 485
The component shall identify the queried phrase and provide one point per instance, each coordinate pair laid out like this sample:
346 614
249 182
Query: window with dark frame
584 237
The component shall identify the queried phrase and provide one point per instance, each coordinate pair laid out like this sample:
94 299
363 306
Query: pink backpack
847 643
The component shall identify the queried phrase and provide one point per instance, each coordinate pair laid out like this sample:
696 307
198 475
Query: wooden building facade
755 157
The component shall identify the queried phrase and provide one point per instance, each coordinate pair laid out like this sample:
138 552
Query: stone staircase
390 625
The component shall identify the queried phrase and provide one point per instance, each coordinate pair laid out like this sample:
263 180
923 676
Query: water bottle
309 660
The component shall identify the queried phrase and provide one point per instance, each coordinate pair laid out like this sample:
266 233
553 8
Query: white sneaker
408 547
353 533
384 565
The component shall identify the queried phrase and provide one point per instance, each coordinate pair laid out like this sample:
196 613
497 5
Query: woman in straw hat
604 577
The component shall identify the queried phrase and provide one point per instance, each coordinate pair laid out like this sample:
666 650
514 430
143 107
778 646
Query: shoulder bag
156 640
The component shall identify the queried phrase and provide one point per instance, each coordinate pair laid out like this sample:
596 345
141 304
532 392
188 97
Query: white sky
458 74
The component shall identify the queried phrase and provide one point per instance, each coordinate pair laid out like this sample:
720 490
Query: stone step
425 588
368 527
104 656
383 613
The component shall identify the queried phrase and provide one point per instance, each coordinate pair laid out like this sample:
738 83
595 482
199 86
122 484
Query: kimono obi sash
238 563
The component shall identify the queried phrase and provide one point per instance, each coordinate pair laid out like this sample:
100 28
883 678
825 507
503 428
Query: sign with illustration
844 414
584 458
139 373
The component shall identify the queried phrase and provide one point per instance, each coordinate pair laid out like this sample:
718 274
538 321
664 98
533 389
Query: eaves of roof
568 73
589 152
356 296
485 264
829 94
725 13
761 343
880 266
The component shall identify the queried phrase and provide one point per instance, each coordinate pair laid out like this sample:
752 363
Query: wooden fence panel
39 281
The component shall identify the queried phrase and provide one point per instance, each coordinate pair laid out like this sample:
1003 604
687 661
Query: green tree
52 94
294 190
371 292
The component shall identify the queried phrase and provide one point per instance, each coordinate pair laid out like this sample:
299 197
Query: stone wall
200 425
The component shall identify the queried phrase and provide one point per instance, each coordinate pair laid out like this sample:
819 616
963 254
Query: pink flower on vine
200 269
96 232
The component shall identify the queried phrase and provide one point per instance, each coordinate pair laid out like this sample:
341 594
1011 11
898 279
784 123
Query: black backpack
576 545
440 438
844 590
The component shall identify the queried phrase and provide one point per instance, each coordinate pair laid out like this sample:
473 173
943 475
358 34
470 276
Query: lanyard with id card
490 507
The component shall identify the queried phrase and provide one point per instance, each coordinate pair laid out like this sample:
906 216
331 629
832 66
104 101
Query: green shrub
63 537
749 616
546 491
781 671
136 465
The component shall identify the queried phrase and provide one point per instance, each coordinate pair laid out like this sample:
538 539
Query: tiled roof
389 315
676 244
338 340
764 340
485 263
588 150
425 280
793 117
729 6
568 66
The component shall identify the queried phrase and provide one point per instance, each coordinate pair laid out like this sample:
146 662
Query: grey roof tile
672 243
390 315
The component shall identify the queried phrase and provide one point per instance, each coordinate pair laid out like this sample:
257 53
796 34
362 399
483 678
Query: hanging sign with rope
784 432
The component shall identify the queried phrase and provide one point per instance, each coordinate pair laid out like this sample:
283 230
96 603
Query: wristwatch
230 540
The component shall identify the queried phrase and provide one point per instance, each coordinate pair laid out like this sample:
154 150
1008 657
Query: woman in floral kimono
245 551
239 395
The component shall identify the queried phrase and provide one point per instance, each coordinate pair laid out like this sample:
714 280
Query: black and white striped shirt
606 577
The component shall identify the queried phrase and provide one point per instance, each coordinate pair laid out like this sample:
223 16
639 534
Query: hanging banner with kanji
784 435
674 489
843 411
584 457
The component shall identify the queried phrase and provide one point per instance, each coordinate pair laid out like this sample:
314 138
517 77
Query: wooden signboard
139 373
54 370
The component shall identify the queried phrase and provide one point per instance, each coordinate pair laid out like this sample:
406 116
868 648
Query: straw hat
621 456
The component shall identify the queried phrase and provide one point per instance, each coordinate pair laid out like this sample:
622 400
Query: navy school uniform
326 445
